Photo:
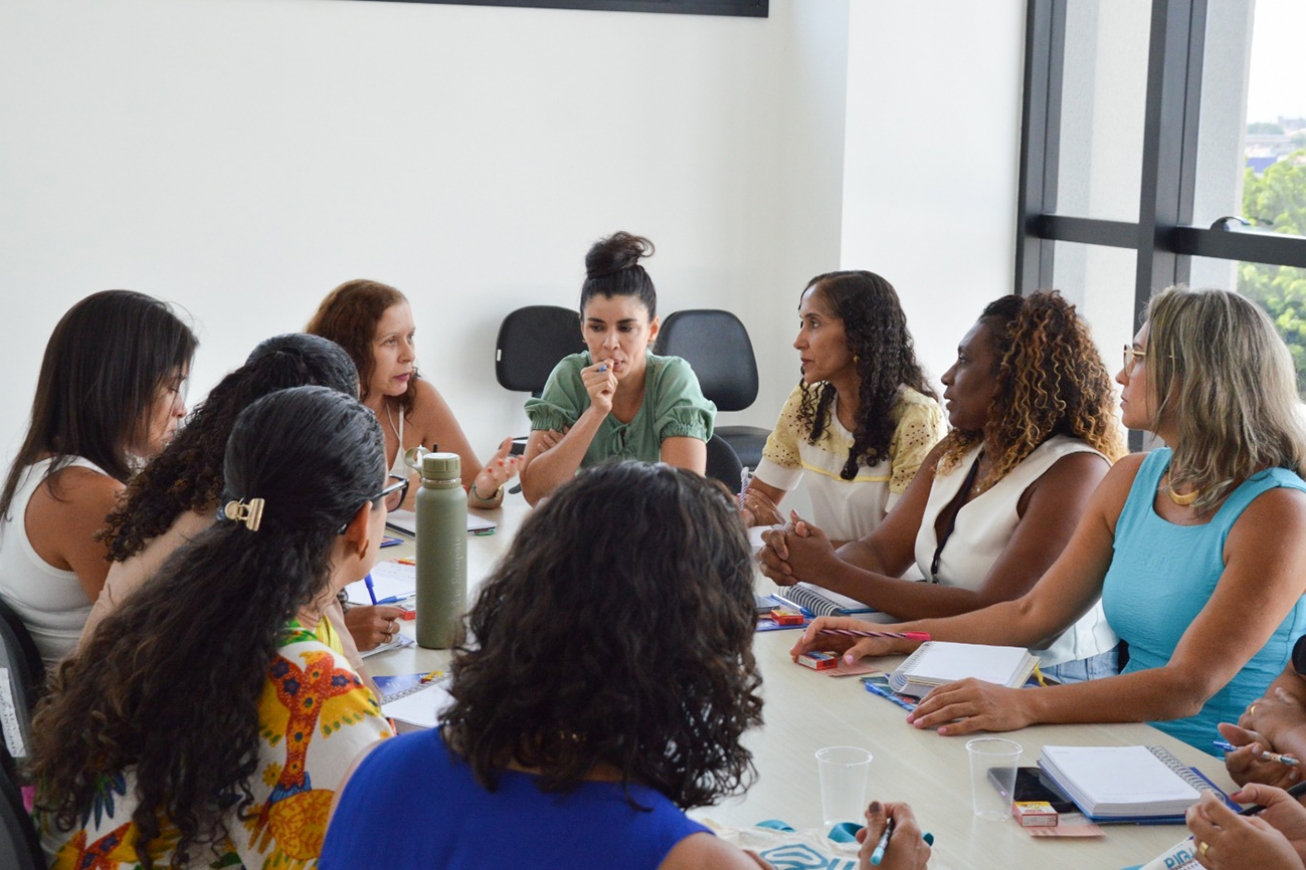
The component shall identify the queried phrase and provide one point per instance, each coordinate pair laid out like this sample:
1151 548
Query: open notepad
936 663
1125 783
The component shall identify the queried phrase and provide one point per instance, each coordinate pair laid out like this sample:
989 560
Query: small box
819 661
780 616
1034 814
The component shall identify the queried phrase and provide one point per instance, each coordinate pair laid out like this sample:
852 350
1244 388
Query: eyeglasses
1132 357
395 493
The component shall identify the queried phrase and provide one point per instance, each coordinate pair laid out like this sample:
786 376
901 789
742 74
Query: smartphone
1032 785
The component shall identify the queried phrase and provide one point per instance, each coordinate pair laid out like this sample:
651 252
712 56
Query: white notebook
820 602
1123 782
936 663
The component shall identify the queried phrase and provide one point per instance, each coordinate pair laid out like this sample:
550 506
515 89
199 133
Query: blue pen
371 592
890 696
1266 755
394 599
878 855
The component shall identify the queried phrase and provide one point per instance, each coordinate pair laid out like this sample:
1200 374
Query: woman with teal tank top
616 400
1197 549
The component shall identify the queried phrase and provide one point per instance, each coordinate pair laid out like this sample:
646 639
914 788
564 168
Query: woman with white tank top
994 504
108 396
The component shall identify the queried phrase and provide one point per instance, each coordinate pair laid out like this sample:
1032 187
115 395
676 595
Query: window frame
1164 237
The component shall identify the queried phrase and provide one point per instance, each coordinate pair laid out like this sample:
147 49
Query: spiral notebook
815 601
414 701
1125 783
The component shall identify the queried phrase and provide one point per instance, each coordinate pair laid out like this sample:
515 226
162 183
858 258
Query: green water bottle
441 551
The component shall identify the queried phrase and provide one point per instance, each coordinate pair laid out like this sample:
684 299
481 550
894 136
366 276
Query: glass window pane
1100 282
1280 290
1253 115
1102 108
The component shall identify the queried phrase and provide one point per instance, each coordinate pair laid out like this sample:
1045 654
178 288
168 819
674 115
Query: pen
371 592
1266 755
851 632
878 855
393 599
889 696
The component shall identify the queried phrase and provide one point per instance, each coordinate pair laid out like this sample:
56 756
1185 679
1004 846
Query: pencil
852 632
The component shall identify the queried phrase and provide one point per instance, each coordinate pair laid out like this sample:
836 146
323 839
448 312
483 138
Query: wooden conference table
805 711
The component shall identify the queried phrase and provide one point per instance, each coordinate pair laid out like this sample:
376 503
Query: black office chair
531 342
723 464
20 848
716 345
20 658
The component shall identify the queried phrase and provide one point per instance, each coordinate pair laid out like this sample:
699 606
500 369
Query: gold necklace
1182 500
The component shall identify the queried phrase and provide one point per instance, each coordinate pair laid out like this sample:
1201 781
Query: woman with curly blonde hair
994 504
1195 549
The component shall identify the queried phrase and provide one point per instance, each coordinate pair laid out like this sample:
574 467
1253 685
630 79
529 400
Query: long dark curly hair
884 356
619 638
187 474
170 682
1052 381
348 316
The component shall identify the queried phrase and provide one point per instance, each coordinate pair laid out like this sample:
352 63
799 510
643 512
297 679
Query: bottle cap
441 466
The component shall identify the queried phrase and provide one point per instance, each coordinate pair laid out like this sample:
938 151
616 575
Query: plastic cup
993 763
844 771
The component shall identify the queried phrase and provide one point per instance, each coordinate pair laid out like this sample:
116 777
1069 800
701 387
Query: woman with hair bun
175 497
616 400
994 504
1195 549
861 420
109 396
204 723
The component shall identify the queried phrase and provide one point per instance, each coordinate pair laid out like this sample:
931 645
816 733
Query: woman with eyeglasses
204 723
1196 549
175 497
109 396
374 324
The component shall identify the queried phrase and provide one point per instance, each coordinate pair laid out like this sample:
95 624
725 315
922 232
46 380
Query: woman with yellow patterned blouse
861 420
203 723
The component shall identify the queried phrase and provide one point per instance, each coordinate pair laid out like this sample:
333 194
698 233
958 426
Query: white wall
931 158
242 157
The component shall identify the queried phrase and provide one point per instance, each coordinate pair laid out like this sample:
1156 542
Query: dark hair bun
619 251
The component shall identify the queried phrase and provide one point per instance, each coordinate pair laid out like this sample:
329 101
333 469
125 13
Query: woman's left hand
972 705
1224 840
502 468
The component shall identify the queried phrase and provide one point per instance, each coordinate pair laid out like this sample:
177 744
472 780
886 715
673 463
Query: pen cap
439 469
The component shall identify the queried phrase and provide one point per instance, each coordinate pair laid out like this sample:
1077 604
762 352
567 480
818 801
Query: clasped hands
795 551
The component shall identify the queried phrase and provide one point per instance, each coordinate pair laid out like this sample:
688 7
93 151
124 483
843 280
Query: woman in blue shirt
584 720
1197 549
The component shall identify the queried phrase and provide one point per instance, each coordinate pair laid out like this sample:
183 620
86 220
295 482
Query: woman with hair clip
374 324
204 723
1195 549
565 728
175 497
861 419
616 400
109 395
1034 432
